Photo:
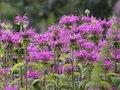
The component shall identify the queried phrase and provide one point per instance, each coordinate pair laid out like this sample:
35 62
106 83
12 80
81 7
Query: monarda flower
69 19
42 56
22 20
45 55
88 19
31 32
32 48
88 45
60 69
69 69
15 38
9 87
108 62
115 54
54 28
34 56
4 71
105 25
33 74
82 54
6 36
94 56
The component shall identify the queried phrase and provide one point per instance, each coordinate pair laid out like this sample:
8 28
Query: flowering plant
79 53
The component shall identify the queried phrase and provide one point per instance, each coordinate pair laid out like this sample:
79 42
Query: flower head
3 71
33 74
22 20
69 19
11 87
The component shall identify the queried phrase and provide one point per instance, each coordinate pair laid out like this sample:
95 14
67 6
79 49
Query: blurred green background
43 13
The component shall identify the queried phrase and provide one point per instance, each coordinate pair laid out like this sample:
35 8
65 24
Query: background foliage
46 12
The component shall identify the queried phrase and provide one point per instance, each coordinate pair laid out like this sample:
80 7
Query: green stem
44 80
25 55
115 64
72 64
21 71
4 63
57 58
21 28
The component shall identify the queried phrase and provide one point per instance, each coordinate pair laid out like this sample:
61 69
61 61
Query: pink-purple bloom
33 74
4 71
22 20
69 19
108 62
9 87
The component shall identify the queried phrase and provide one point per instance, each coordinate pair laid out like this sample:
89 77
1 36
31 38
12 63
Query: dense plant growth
78 53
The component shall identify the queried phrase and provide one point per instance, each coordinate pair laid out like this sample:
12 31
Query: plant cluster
78 53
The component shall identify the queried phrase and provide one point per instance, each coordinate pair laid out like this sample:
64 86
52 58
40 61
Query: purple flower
22 20
107 62
6 35
69 19
11 87
115 54
60 69
46 55
82 54
4 71
88 19
102 44
106 25
32 48
33 74
87 45
30 32
69 68
53 28
16 38
34 56
94 56
41 56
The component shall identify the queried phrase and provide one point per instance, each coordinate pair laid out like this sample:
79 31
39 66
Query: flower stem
25 55
72 61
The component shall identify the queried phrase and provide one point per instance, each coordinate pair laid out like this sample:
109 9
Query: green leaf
80 66
1 53
20 64
51 83
118 88
115 81
112 74
65 86
90 84
105 84
109 40
36 84
82 83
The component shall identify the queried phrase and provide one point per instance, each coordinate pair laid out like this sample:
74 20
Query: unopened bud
87 12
